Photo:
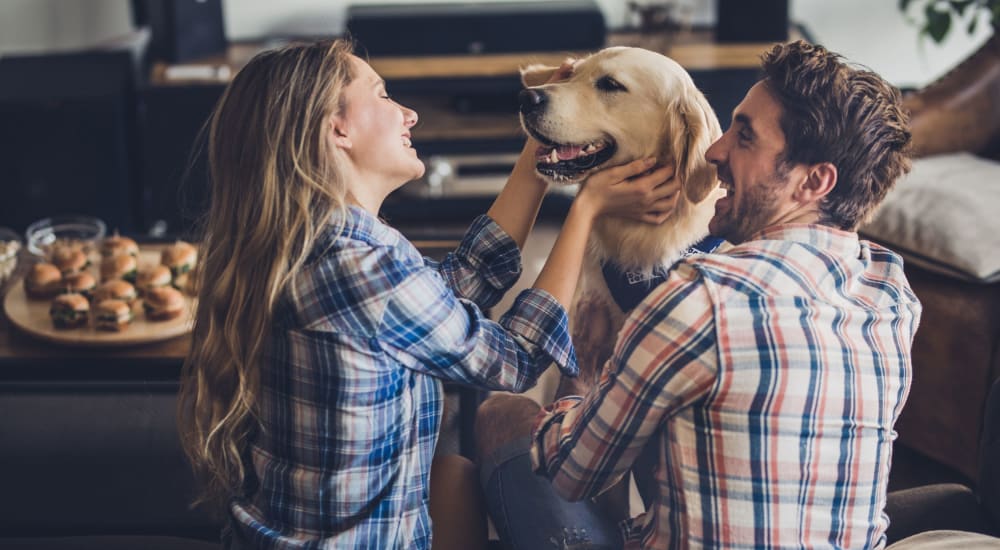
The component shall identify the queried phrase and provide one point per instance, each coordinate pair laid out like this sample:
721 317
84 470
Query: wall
872 33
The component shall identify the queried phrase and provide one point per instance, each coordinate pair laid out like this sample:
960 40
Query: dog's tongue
567 152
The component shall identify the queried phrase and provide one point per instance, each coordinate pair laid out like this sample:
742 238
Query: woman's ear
338 134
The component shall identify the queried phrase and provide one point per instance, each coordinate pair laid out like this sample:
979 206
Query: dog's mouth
569 162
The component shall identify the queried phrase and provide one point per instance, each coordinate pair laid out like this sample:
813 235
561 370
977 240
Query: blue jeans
529 515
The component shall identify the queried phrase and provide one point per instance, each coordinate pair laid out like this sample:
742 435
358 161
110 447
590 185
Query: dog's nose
531 100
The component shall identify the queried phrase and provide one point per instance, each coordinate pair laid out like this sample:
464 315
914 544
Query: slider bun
156 276
115 289
118 267
69 260
79 282
163 303
112 315
43 280
178 254
73 303
116 244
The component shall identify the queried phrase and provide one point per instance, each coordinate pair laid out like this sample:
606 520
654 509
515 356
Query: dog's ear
697 130
536 74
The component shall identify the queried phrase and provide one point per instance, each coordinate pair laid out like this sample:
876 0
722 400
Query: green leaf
938 22
903 5
971 29
960 5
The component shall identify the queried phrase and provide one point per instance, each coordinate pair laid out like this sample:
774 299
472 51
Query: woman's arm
516 207
623 191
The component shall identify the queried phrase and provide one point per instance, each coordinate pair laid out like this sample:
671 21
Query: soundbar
476 27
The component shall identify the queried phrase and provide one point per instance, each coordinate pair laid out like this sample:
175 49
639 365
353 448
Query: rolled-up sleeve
485 265
665 358
426 327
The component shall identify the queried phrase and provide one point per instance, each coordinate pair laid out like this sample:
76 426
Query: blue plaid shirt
350 400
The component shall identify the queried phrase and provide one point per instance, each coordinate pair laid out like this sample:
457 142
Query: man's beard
757 207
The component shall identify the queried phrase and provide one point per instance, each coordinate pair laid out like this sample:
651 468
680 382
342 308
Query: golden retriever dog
621 104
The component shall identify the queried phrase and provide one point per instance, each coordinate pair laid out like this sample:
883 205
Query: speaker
68 137
477 27
759 21
182 30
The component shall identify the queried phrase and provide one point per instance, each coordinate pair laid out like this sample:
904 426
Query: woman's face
374 131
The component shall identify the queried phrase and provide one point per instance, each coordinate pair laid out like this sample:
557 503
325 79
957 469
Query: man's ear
820 180
338 136
536 74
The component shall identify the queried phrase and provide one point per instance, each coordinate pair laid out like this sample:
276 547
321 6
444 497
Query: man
764 381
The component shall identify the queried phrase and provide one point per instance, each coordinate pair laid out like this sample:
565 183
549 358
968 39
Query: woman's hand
635 190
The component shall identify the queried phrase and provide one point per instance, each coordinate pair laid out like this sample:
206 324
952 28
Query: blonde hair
274 185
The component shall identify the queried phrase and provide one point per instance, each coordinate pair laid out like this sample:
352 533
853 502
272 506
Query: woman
311 398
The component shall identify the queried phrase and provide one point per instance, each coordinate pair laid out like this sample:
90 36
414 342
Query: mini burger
180 258
114 315
116 244
70 259
121 266
163 303
79 283
153 277
69 311
115 289
43 280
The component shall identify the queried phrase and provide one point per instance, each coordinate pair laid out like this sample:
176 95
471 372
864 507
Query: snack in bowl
116 244
113 315
10 245
69 311
122 266
115 289
79 283
163 303
70 258
152 277
42 281
180 258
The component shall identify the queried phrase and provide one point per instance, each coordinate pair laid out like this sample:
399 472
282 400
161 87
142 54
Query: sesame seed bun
163 303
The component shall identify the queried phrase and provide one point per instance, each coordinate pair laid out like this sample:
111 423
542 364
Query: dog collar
628 288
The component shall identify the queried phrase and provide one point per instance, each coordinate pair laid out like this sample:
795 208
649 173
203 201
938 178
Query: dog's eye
608 84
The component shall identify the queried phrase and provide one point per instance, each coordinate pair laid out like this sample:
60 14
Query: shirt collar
835 241
360 225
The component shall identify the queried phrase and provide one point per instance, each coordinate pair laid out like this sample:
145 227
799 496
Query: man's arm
665 359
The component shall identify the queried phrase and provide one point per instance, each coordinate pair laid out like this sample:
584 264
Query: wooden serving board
32 316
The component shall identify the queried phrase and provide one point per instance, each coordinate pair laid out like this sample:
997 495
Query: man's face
748 159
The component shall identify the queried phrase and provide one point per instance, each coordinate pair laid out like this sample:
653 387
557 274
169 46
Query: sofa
944 219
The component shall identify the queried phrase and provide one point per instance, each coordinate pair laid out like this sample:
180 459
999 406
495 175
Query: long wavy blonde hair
274 184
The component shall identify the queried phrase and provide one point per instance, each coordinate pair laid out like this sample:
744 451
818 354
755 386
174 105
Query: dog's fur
637 104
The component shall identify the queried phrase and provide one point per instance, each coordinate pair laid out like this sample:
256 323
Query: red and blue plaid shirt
767 380
350 400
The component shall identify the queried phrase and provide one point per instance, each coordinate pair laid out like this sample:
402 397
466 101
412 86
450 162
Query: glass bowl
10 246
43 234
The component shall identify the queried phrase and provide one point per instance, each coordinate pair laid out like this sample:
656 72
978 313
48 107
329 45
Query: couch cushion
945 216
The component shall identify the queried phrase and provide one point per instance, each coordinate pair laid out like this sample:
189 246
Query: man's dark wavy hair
848 116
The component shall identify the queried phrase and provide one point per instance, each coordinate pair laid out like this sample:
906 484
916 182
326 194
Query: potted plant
961 110
939 16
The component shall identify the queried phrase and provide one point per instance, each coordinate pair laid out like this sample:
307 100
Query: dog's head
620 104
